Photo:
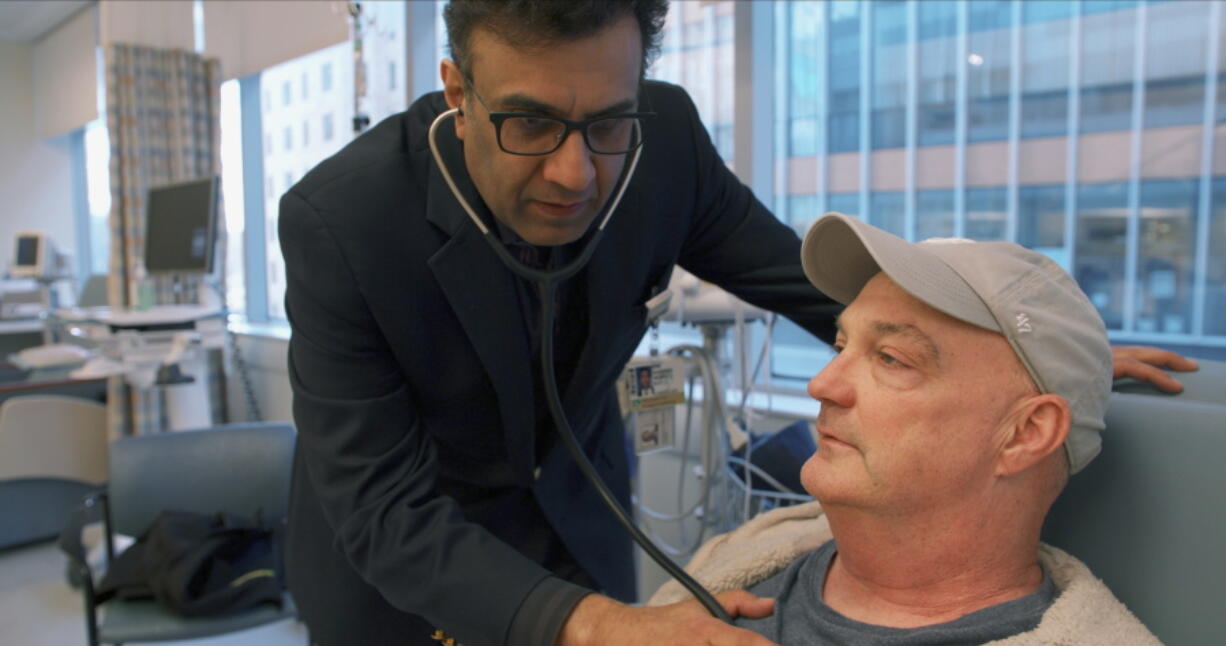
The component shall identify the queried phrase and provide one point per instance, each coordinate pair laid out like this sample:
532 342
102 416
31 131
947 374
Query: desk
16 381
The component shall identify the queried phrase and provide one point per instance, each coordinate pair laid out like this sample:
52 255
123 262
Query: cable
547 289
236 354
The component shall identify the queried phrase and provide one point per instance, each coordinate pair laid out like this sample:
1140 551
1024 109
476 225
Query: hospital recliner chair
1148 516
53 450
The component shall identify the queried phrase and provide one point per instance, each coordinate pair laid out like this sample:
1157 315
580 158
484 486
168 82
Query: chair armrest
89 511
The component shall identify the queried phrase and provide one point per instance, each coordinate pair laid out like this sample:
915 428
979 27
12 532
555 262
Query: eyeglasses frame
497 118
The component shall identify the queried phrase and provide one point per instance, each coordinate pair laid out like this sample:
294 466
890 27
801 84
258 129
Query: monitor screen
27 251
181 220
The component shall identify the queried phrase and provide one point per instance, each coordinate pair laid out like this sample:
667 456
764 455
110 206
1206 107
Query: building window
327 127
1040 219
988 67
288 138
889 89
987 213
843 70
391 75
1046 32
887 210
1102 235
938 74
285 93
306 134
325 78
934 214
1107 53
305 91
1167 262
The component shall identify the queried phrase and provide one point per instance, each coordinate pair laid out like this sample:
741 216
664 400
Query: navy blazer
416 479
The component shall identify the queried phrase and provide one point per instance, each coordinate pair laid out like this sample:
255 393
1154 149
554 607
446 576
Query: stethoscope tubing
547 282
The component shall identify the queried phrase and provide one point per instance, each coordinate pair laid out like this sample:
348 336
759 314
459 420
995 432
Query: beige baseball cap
999 286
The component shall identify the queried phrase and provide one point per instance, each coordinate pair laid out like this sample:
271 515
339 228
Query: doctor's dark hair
540 23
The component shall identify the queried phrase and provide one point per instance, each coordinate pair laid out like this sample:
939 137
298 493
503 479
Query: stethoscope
547 282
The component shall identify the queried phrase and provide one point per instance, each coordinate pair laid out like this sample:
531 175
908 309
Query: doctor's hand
601 620
1145 364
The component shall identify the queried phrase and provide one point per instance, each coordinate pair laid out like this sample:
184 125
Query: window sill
279 330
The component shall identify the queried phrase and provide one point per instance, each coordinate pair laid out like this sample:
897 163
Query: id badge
650 388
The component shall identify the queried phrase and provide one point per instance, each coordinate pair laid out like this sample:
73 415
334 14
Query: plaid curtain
163 119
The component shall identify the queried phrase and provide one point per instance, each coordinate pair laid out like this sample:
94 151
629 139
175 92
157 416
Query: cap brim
841 254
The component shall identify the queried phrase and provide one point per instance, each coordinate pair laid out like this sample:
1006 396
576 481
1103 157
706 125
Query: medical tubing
547 289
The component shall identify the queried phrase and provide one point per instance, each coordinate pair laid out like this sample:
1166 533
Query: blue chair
241 469
1148 516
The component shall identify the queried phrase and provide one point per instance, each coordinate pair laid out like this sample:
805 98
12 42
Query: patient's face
912 407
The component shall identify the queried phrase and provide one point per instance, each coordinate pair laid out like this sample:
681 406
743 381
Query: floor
38 608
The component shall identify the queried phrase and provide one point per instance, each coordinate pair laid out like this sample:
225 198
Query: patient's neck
931 567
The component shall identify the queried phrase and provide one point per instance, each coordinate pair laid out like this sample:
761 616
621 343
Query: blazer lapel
482 294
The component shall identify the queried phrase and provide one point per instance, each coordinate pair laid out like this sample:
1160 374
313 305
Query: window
938 81
232 187
98 185
1040 218
1130 231
887 211
986 214
989 63
934 213
843 70
1167 256
1176 44
1102 233
843 80
889 89
1046 32
285 93
696 53
1107 55
288 139
1215 283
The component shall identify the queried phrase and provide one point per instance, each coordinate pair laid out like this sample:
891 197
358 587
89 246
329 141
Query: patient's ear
1037 428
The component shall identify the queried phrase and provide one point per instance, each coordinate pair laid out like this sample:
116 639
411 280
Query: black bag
199 565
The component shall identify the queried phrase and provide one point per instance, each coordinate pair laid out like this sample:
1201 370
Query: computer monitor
181 225
31 255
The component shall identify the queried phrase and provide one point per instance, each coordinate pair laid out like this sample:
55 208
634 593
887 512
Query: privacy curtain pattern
163 119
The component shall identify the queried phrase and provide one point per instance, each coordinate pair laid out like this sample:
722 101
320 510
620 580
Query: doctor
431 491
431 496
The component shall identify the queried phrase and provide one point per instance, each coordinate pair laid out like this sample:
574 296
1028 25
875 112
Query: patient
971 380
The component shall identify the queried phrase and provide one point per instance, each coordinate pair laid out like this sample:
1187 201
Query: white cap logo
1023 323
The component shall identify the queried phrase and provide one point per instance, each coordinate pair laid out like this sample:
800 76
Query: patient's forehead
885 309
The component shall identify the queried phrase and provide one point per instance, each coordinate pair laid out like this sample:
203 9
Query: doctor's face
548 199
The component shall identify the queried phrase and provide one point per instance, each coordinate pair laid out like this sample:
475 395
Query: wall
36 182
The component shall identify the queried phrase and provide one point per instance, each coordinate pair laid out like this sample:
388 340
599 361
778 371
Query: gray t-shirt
801 617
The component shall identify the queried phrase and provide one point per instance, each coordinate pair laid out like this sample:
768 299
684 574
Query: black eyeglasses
521 133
